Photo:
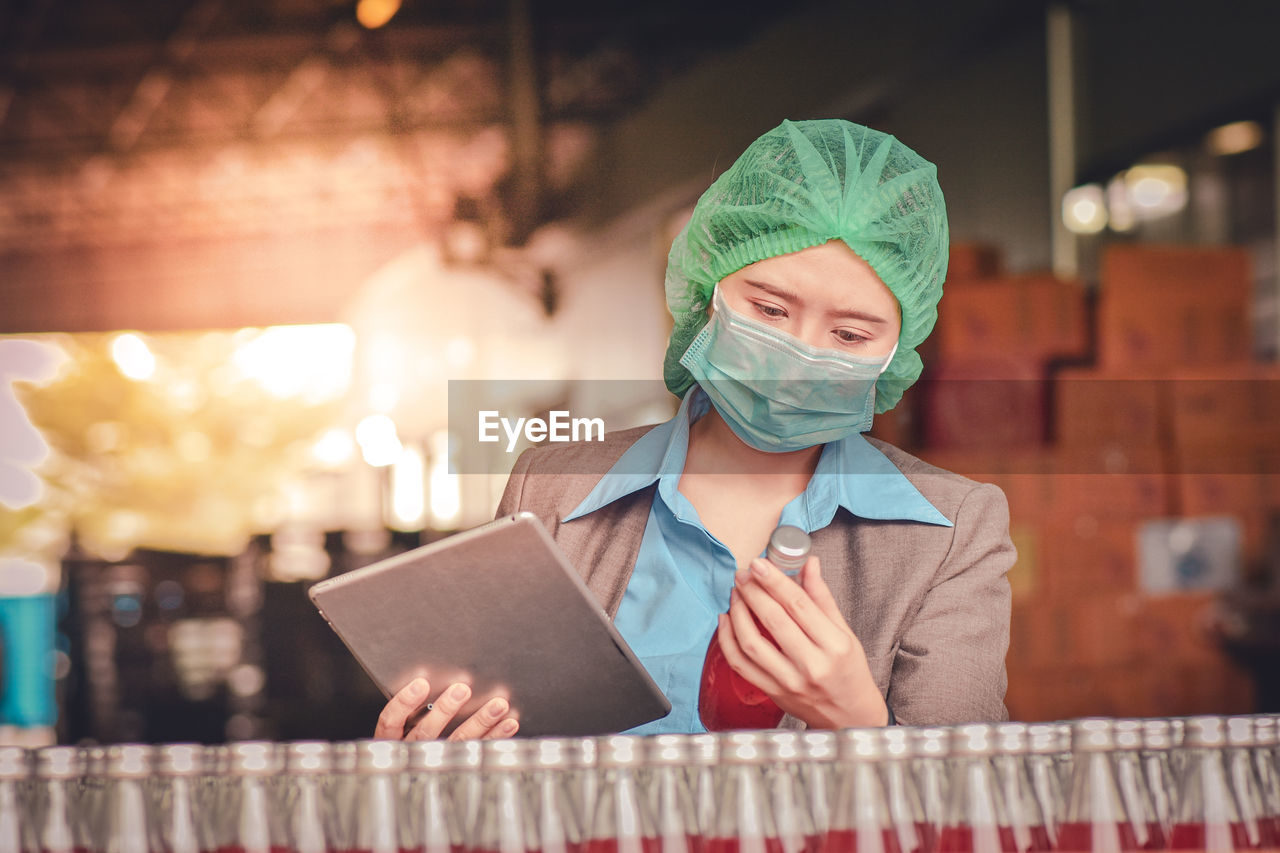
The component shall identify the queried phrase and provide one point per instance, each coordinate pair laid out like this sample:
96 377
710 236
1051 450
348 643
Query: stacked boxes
1138 406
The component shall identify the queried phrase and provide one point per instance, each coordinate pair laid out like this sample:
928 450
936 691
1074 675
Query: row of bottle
1204 783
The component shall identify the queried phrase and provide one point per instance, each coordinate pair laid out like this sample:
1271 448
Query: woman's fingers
764 658
488 722
441 714
813 583
400 708
782 603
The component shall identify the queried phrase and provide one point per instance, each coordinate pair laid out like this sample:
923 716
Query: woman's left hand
818 670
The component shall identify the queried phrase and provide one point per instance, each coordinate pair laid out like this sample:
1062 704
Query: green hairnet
800 185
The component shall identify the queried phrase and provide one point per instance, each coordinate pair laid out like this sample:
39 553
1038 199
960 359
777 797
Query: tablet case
500 608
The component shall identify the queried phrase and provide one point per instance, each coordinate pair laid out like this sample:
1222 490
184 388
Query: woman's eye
849 337
771 311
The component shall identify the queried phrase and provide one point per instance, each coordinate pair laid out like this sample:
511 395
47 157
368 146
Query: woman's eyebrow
788 295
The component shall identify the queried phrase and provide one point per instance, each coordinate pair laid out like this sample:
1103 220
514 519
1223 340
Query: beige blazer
929 603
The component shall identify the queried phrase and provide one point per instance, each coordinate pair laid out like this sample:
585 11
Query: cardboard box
1111 481
1226 408
1165 306
1085 556
1037 317
993 403
1123 409
972 261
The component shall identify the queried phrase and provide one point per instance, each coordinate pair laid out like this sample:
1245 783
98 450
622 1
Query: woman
805 281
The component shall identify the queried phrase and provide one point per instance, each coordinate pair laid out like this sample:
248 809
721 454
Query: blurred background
246 246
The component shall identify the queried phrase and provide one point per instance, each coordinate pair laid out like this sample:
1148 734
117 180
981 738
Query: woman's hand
490 722
818 671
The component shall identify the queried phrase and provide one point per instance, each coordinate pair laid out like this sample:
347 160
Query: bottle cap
1204 731
788 548
59 762
1094 734
253 758
14 763
505 754
1240 732
1128 734
1011 737
668 749
976 739
818 745
1156 734
742 747
303 758
931 742
855 744
620 751
704 749
129 761
180 759
1042 738
381 756
783 746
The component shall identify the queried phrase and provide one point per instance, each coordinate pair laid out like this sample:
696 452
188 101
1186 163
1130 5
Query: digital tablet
501 609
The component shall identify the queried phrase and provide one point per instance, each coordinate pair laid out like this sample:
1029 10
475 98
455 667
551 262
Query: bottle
57 775
788 799
584 780
505 821
1026 818
179 769
1208 815
860 814
1096 818
1134 787
1156 747
704 758
1265 762
552 804
977 819
300 797
127 817
670 795
744 819
915 833
15 771
1243 775
376 827
931 748
432 816
726 700
1043 772
818 777
622 821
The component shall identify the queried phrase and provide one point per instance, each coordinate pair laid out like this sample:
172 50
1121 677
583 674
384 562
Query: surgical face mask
777 393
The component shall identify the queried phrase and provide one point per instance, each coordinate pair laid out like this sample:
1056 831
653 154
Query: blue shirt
683 574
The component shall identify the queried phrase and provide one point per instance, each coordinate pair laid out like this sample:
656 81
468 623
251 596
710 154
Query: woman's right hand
490 722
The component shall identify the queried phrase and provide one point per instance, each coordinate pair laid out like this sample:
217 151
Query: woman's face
826 296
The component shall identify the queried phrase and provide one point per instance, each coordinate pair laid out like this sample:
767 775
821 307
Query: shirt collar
851 473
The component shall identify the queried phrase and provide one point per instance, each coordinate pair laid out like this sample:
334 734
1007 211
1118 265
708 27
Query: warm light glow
378 441
133 357
408 490
1235 138
312 362
1084 209
1119 208
23 577
334 448
1156 190
376 13
446 492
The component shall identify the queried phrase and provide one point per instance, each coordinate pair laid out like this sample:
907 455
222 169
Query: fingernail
416 688
759 568
498 708
509 727
459 692
741 575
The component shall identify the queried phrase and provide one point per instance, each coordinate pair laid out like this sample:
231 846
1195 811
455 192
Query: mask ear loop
889 360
